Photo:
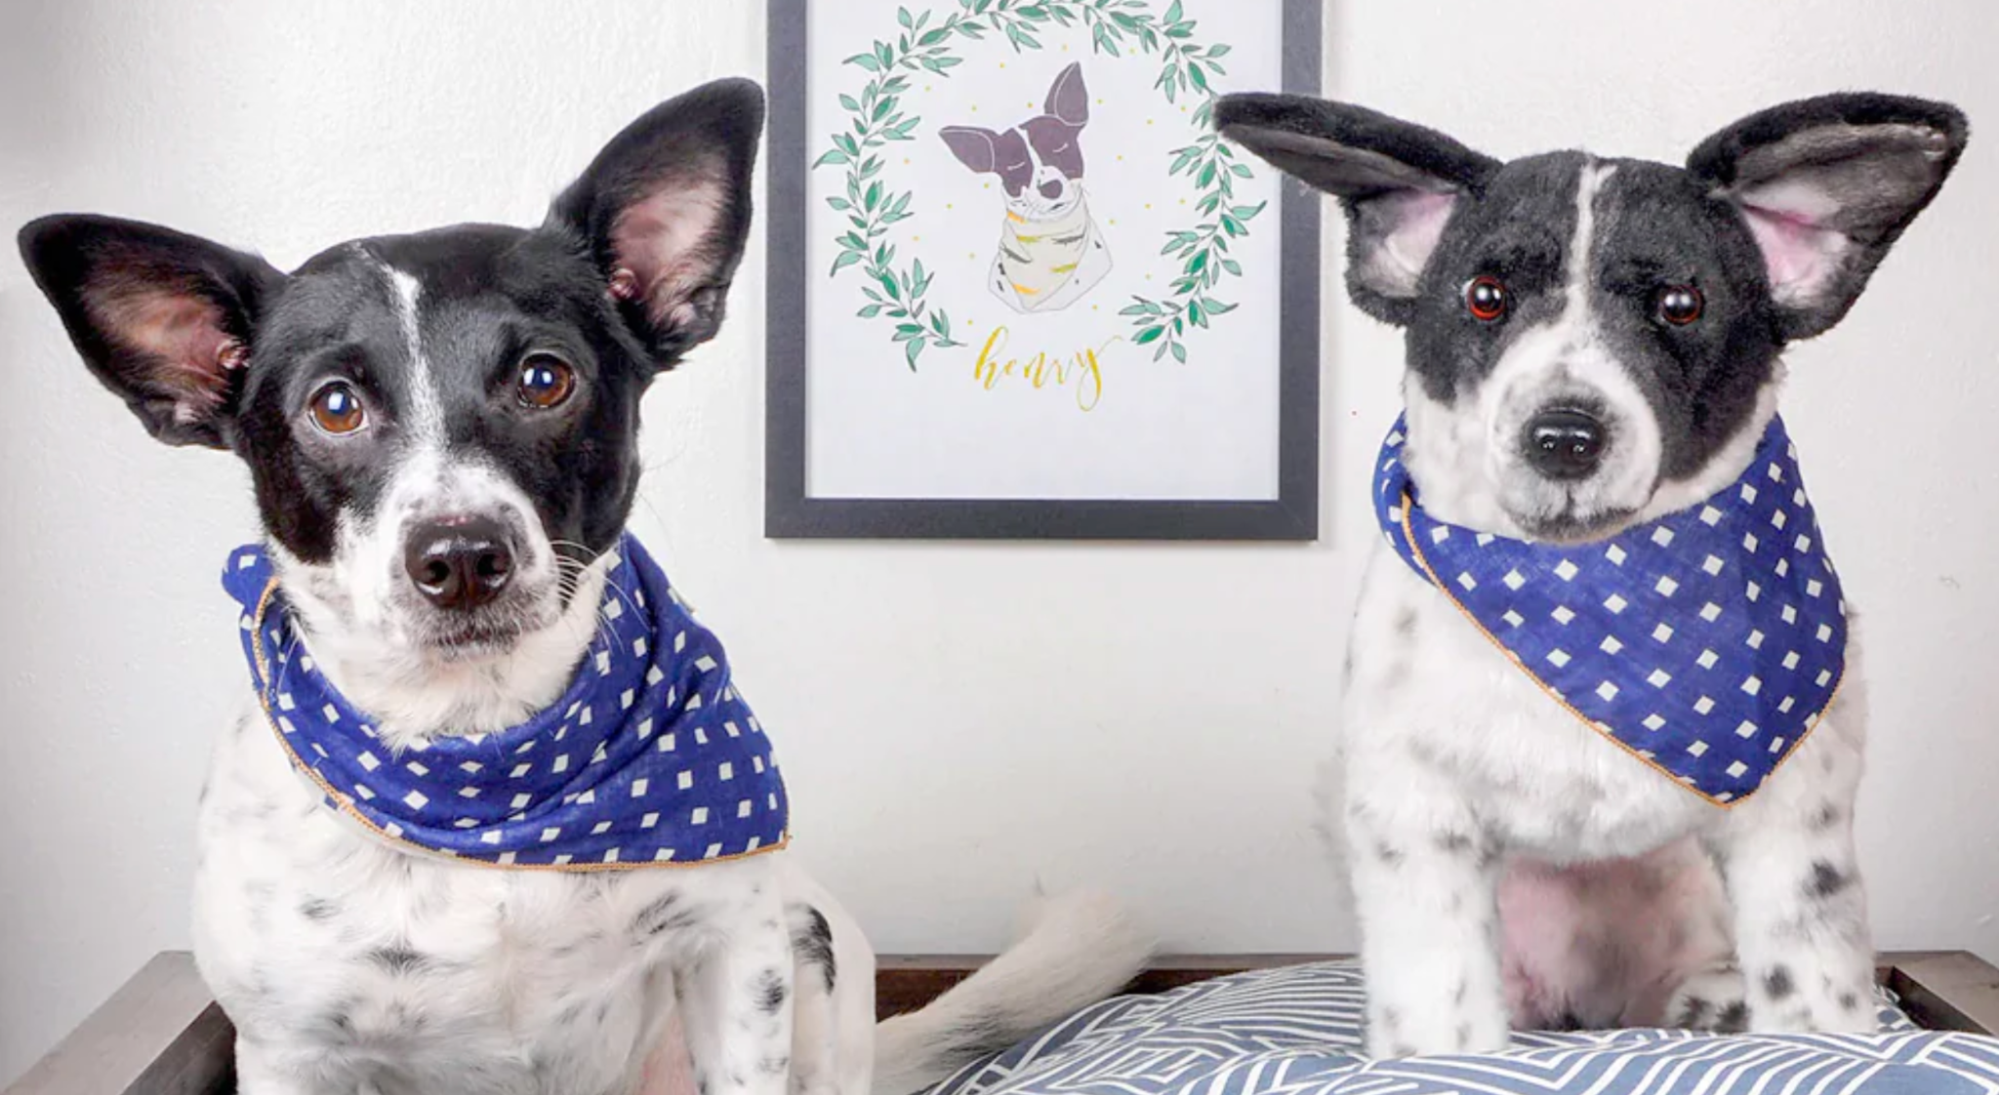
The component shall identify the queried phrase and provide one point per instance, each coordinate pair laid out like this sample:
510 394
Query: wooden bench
162 1032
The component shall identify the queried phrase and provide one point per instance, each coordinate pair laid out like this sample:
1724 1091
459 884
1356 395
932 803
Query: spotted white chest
426 973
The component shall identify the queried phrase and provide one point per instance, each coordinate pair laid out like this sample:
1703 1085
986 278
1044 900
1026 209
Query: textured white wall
957 720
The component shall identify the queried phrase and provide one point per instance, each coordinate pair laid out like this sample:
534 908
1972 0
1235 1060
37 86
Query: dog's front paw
1715 999
1442 1027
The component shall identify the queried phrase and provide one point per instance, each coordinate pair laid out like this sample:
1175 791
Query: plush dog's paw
1715 999
1396 1033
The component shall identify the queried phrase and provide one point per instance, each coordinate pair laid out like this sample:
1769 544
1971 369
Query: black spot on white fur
1734 1018
770 992
1778 984
398 959
667 913
812 940
1826 881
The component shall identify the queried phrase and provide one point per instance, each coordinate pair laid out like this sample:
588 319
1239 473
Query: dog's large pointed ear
1826 186
1068 100
665 208
1399 183
164 319
972 146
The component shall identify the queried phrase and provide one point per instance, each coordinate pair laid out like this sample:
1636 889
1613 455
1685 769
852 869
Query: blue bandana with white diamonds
1706 643
650 758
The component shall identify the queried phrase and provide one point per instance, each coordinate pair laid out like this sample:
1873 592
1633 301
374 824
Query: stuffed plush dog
1050 251
1603 723
498 818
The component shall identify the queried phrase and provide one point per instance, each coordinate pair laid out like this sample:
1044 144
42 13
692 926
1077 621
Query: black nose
459 563
1051 189
1563 444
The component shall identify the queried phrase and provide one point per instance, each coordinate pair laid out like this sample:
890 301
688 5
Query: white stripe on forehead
424 417
1575 311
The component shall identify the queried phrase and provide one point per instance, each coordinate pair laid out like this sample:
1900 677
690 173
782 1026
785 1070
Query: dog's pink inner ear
182 333
1802 259
1404 226
666 249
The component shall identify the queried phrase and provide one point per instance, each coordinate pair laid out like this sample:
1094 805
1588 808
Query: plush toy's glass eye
546 381
1680 305
1485 298
336 408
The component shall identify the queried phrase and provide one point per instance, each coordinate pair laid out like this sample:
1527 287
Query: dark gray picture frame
790 513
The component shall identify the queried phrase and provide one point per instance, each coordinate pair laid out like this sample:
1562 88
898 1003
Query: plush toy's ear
665 208
972 146
164 319
1068 100
1826 186
1399 183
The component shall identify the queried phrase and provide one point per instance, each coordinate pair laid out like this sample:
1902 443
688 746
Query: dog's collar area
650 758
1706 643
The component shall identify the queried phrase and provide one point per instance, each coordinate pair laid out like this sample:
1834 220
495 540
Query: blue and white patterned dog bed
1298 1030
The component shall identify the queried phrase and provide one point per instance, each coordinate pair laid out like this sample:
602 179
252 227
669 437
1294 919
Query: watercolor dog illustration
1051 251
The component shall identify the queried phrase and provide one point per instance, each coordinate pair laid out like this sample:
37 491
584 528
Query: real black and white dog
1593 345
442 430
1051 251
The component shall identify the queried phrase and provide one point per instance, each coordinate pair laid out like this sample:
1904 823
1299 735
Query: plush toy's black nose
1563 443
1051 189
459 563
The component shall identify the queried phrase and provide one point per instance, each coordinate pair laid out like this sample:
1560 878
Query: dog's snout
1051 189
1564 443
459 563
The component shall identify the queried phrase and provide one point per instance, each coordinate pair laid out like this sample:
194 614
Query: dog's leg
1800 910
815 1065
1424 877
736 1001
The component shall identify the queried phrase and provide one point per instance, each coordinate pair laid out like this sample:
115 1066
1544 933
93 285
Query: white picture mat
1159 430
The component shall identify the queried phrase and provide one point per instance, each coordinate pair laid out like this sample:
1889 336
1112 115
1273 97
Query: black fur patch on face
487 297
1777 982
1657 227
1654 226
1516 230
1056 144
1011 162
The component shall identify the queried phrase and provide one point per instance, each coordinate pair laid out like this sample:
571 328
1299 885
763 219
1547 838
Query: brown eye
546 381
1485 298
336 409
1680 305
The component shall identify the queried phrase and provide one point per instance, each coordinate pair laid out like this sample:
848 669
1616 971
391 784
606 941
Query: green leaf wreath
898 293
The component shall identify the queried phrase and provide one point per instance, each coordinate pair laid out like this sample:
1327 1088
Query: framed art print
1018 285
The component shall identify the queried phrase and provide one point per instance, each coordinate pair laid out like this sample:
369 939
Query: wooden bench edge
162 1032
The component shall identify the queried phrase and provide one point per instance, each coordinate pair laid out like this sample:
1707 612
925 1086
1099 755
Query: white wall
957 720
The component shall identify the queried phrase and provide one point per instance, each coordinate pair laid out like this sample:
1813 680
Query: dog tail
1073 950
